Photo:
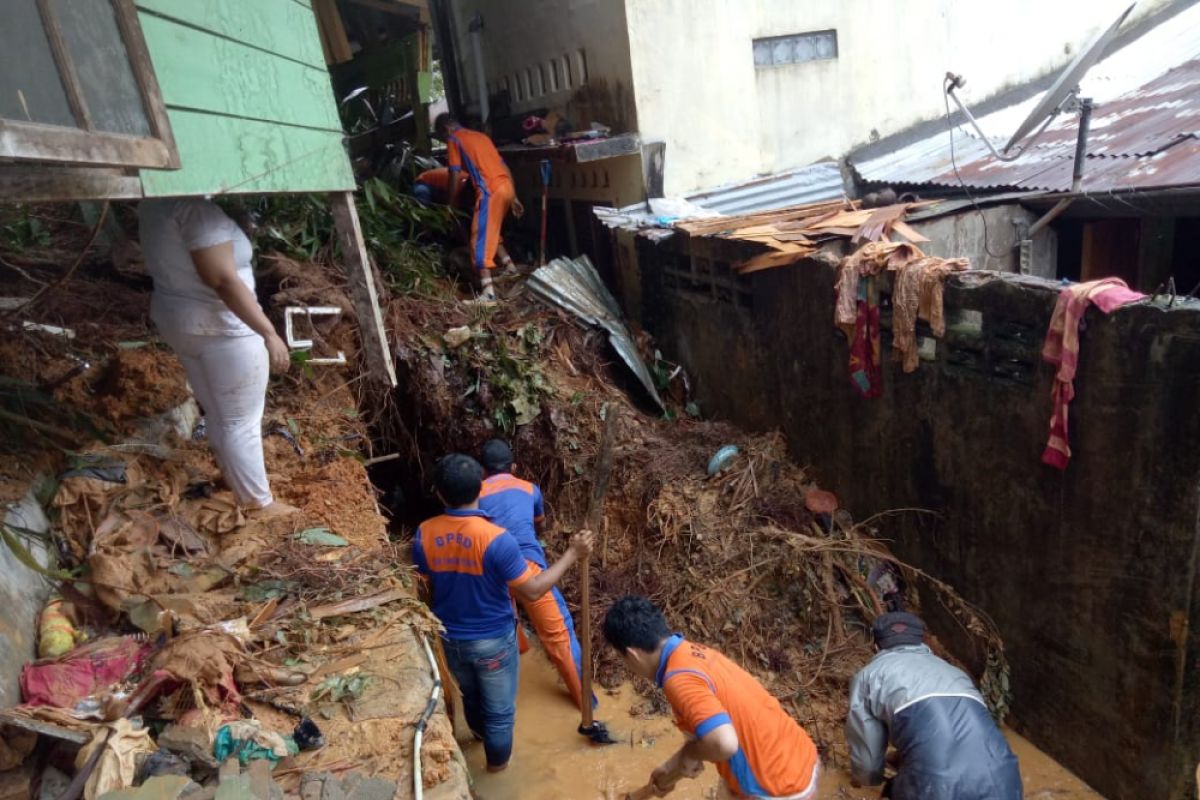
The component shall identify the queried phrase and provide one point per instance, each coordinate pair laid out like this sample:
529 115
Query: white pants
229 375
724 793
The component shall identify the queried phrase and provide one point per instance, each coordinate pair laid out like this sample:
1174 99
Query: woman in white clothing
204 306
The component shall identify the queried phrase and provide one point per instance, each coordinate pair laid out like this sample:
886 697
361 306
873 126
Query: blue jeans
486 671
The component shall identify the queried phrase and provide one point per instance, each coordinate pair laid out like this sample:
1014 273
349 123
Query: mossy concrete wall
1090 573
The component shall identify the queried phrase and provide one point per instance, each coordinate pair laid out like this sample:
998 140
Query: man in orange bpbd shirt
433 186
728 717
474 153
470 565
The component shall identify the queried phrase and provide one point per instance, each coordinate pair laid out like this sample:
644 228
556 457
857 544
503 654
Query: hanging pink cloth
1062 350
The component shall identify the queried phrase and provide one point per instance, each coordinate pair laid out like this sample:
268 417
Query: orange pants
551 620
491 207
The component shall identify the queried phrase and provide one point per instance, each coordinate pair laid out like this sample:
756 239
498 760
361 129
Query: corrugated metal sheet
1146 139
811 184
575 287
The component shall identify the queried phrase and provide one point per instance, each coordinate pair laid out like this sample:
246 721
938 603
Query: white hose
430 707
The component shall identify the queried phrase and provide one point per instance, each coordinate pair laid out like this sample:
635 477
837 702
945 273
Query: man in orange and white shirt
727 715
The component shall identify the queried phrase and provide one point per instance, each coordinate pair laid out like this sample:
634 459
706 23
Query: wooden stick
595 517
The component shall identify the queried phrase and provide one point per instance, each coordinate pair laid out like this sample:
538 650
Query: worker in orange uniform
728 717
474 153
516 505
433 186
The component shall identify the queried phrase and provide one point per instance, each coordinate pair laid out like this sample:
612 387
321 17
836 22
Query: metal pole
1085 124
476 29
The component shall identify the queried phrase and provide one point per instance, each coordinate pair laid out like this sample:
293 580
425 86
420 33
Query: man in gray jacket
949 748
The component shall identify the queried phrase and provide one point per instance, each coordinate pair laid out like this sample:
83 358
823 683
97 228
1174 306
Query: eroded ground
552 762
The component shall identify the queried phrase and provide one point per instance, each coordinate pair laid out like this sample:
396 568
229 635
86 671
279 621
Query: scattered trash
57 634
246 741
193 744
82 672
721 459
321 536
116 766
308 736
290 436
162 762
456 337
819 501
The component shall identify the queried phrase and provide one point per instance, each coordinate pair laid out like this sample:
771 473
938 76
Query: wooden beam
333 32
44 728
36 142
66 67
46 184
147 80
407 8
377 353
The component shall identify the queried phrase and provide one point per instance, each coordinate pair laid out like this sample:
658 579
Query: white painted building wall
683 71
565 54
697 87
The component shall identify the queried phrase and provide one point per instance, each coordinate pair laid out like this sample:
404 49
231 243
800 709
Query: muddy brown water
552 762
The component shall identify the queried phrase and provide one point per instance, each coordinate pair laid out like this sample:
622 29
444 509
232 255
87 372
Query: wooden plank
199 71
44 728
143 72
282 27
34 142
908 232
66 67
333 32
362 293
230 155
46 184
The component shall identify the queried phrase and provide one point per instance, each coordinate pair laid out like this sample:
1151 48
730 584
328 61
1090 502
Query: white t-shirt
170 229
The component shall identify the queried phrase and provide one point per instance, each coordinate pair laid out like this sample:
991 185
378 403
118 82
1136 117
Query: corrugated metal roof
1147 139
575 287
1143 135
811 184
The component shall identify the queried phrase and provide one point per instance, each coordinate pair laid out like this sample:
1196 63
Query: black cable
954 163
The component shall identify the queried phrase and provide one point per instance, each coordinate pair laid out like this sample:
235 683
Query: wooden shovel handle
595 516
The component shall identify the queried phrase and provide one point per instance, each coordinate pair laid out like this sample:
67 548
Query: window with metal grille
777 51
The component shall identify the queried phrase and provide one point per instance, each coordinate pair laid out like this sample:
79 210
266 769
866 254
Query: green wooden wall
248 95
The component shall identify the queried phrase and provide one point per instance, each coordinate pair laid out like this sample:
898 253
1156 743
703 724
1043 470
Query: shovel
589 727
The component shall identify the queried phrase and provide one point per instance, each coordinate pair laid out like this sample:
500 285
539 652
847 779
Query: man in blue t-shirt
471 564
517 506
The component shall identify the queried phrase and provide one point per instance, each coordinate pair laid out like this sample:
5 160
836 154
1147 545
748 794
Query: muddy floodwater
552 762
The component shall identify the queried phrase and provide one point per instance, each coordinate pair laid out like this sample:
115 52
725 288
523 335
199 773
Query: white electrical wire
430 707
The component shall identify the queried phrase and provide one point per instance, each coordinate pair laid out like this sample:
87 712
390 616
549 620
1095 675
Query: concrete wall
523 40
724 120
23 592
993 234
1089 574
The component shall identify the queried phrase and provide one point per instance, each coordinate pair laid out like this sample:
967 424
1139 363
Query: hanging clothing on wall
1062 350
866 372
918 293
